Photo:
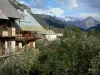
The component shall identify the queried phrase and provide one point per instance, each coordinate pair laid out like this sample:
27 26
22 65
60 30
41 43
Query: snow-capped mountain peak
68 18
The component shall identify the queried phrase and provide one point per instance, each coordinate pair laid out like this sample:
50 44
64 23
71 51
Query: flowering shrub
18 64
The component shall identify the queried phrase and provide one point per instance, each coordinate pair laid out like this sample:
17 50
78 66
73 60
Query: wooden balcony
26 38
11 33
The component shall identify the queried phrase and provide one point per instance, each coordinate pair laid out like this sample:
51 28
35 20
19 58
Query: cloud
88 14
69 4
41 11
57 11
90 3
52 11
37 3
95 15
85 15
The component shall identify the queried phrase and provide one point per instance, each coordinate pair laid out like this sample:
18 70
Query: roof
2 15
28 20
28 23
8 9
34 28
50 32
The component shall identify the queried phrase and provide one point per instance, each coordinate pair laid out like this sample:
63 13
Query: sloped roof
34 28
28 23
2 15
29 20
8 9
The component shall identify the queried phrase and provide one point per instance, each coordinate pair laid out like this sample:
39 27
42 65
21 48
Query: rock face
89 22
82 23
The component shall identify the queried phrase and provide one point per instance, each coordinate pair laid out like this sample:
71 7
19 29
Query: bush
18 64
71 56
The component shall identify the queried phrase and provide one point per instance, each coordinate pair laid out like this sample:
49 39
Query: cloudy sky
62 8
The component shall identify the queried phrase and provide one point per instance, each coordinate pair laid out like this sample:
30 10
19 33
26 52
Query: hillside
97 27
57 25
47 20
83 23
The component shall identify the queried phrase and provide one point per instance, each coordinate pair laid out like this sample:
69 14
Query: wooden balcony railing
26 38
18 35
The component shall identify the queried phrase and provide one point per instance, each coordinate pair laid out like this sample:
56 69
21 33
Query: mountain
75 21
53 22
89 22
68 18
97 28
82 23
47 21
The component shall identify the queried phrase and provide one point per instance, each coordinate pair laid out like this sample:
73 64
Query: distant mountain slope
82 23
89 22
97 27
56 24
47 20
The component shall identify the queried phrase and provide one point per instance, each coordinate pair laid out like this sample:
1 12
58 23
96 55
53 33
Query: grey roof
28 20
34 28
8 9
2 15
28 23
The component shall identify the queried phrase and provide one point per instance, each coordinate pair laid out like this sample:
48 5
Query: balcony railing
26 38
18 35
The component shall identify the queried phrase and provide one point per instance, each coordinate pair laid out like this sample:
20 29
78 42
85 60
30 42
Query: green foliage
18 64
70 56
76 53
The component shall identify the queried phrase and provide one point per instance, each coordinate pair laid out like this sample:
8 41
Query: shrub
18 64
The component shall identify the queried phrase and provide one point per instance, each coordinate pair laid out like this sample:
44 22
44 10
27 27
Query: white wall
51 37
34 44
11 48
13 45
59 34
13 31
5 33
6 46
20 45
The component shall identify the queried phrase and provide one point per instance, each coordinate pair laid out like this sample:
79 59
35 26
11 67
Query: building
51 35
29 27
18 28
8 15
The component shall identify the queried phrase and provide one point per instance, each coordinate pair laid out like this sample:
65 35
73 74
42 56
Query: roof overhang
3 16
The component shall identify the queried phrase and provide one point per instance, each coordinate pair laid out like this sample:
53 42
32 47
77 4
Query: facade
8 15
50 35
29 27
17 28
11 35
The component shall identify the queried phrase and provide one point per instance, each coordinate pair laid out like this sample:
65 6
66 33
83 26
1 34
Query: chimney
25 12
